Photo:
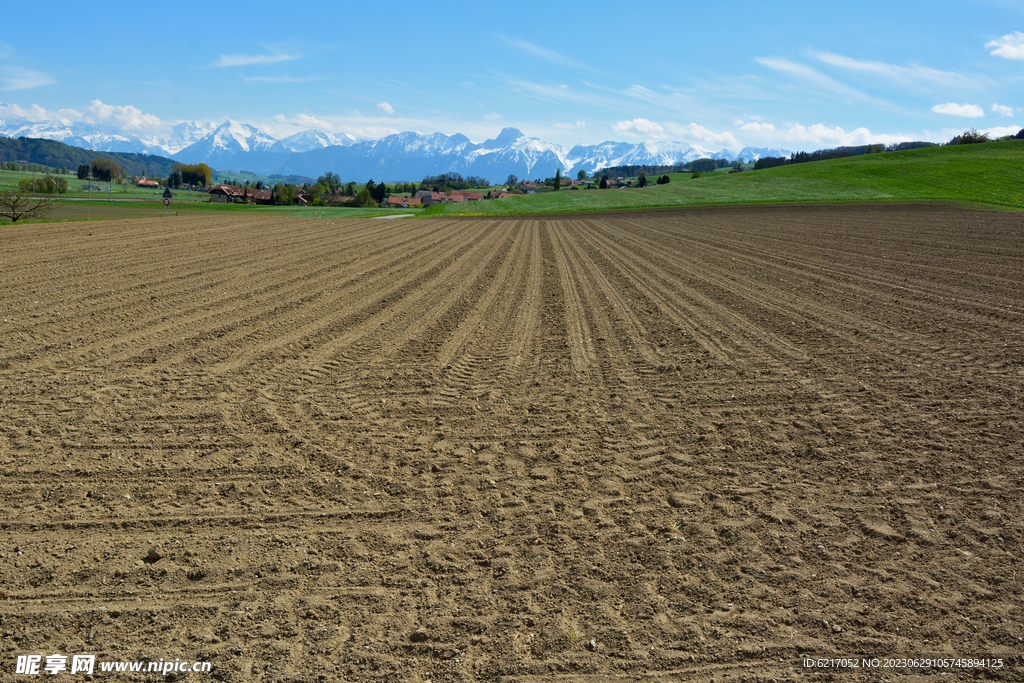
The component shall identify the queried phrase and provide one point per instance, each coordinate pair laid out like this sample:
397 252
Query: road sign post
166 202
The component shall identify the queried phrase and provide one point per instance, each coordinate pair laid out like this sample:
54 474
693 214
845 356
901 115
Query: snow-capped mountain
93 137
512 152
755 153
313 139
411 156
229 140
402 156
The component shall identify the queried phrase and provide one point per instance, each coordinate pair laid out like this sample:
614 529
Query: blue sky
800 75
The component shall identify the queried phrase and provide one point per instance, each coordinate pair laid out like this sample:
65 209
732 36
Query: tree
364 198
330 181
643 180
316 194
558 179
582 175
105 169
511 181
17 205
83 172
285 194
377 192
604 183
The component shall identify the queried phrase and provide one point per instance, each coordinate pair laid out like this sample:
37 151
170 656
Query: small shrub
970 137
696 174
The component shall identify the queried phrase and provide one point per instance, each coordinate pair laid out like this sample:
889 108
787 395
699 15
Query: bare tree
16 205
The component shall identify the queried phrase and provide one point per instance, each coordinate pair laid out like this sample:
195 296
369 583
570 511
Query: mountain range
407 156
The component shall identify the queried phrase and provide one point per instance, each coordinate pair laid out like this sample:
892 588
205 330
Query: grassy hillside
990 174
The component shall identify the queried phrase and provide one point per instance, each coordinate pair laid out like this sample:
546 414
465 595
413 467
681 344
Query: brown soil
673 445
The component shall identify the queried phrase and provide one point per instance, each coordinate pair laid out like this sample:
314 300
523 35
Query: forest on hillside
57 154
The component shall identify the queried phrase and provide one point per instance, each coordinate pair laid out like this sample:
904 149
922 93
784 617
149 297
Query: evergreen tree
558 179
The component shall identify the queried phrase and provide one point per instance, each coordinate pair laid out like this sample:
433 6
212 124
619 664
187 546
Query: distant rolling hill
57 154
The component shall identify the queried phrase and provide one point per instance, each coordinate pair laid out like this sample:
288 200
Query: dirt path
673 445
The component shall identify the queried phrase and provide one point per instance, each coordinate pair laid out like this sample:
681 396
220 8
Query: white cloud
757 127
493 116
1002 110
971 111
571 126
1010 46
386 108
246 60
699 132
17 78
127 117
818 136
640 126
301 122
37 114
1000 131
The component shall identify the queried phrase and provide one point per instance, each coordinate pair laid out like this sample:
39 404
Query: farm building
228 194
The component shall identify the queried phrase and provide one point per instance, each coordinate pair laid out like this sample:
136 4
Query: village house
466 196
228 194
498 194
404 202
148 184
434 198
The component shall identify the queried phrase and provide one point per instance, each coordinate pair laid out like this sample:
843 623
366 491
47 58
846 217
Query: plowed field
681 444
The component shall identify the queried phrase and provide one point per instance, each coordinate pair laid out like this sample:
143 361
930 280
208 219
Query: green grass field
9 181
78 210
990 174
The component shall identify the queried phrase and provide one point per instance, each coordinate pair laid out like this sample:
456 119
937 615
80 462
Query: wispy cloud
493 116
247 60
672 101
17 78
386 108
278 79
904 75
1002 110
546 54
1010 46
972 111
576 125
806 73
561 93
